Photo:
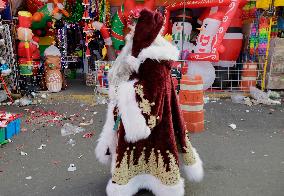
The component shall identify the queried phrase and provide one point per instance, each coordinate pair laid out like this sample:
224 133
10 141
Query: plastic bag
69 129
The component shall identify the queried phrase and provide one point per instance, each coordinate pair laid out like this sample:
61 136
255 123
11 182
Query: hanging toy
104 52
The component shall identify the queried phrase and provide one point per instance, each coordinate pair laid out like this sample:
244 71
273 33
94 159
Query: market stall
89 34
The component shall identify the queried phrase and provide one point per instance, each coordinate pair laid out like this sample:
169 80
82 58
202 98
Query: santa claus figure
28 52
144 130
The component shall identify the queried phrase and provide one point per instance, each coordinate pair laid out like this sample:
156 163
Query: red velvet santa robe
145 148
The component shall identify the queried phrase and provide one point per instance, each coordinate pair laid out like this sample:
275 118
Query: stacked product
10 125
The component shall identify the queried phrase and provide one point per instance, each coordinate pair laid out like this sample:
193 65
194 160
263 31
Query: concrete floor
248 161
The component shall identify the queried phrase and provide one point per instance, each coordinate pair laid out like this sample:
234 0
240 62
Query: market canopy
265 4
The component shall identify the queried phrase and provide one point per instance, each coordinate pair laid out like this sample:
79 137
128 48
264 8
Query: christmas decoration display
204 44
119 22
94 12
28 51
233 35
86 30
249 10
181 31
47 13
263 36
253 40
77 12
208 31
104 12
53 76
231 6
34 5
4 66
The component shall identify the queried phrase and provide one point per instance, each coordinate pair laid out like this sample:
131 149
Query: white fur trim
148 182
133 62
133 121
160 49
107 138
52 51
194 172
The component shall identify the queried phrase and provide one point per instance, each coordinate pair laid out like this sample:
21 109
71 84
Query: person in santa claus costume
144 132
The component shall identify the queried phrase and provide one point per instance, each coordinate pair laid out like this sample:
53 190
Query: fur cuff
133 62
194 172
107 140
100 152
133 121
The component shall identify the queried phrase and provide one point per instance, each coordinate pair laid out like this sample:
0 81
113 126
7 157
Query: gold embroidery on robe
126 170
145 106
188 156
152 121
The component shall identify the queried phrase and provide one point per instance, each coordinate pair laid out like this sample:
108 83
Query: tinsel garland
94 12
104 12
76 13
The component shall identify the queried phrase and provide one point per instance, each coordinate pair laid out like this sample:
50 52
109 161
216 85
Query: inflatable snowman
204 44
181 30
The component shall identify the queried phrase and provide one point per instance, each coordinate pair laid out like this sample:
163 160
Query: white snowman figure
207 33
177 30
204 44
181 29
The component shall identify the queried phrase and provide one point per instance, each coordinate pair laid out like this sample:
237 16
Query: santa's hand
102 152
134 63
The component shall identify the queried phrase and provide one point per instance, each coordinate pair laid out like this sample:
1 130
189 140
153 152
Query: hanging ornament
86 15
94 12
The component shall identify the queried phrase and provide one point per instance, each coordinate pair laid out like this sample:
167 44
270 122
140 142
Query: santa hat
148 26
52 51
216 16
25 19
